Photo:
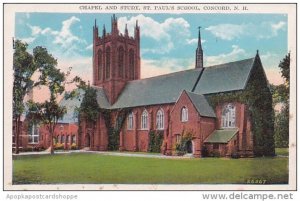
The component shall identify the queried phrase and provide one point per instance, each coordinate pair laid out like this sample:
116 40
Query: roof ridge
220 65
169 74
195 93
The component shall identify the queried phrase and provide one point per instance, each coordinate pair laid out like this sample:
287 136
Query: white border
10 9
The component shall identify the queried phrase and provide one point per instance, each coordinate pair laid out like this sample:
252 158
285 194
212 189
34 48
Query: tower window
160 120
228 116
99 64
131 64
121 61
144 122
107 70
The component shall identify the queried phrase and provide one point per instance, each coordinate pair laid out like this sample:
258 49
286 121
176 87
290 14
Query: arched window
131 64
228 116
184 114
160 120
130 121
34 134
107 70
121 61
144 122
99 64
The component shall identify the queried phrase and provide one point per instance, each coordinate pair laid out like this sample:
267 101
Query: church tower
199 52
116 58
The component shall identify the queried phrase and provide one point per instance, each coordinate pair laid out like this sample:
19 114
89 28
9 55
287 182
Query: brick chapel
194 103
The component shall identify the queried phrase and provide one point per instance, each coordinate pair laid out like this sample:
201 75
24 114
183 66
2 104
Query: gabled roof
101 98
221 136
225 77
70 105
201 104
166 88
157 90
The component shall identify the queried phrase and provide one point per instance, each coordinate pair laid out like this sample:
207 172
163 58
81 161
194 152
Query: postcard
150 96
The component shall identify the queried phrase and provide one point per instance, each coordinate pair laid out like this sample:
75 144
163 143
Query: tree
89 106
24 68
282 95
49 112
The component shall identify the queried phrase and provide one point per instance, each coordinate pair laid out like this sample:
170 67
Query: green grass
132 152
282 151
95 169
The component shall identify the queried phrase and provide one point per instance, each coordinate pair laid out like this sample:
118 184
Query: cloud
263 30
270 29
28 40
81 66
162 33
49 31
60 42
35 30
65 37
89 47
227 31
236 54
194 41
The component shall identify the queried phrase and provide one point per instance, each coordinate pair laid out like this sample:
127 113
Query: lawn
282 151
99 169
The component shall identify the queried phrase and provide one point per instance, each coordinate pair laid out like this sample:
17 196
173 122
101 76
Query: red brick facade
116 61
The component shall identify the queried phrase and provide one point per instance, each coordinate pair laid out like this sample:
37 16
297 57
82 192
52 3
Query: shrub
181 148
155 141
204 151
235 155
73 146
38 147
215 153
31 148
58 146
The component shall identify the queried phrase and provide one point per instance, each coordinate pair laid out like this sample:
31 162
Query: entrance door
87 140
189 147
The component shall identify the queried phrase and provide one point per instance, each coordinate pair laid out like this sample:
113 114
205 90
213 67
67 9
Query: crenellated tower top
116 58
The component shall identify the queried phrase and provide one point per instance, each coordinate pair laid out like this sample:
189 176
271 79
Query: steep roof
201 104
101 98
225 77
221 136
166 88
157 90
71 104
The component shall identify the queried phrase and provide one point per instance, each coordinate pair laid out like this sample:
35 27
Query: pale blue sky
168 41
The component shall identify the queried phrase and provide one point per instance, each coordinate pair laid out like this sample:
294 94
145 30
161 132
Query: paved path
109 153
112 153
